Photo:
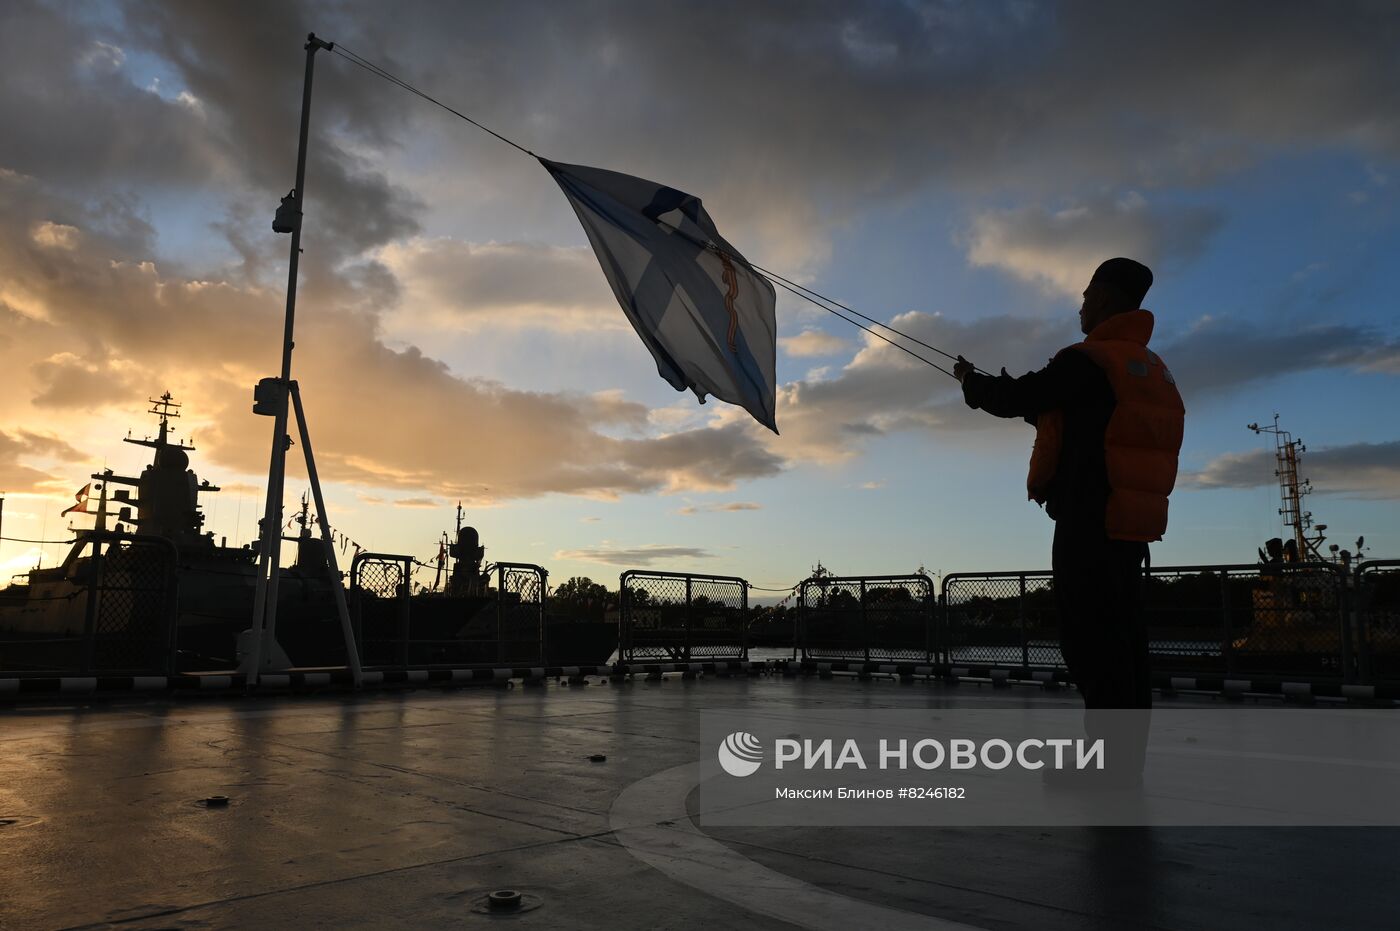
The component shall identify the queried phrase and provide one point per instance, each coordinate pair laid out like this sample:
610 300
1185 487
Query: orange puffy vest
1144 433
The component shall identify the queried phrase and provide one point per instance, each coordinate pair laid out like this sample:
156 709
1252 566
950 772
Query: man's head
1119 285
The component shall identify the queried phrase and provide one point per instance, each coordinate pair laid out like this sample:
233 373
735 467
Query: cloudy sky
958 168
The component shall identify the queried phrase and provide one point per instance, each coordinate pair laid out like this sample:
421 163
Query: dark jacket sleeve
1070 379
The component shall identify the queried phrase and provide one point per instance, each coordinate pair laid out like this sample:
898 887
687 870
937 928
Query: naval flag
697 304
82 498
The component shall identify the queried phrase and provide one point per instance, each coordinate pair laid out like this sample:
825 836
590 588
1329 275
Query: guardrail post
744 622
500 606
1227 643
356 604
930 607
689 620
1021 610
799 623
864 622
543 582
624 644
1344 616
1361 612
90 610
941 635
401 596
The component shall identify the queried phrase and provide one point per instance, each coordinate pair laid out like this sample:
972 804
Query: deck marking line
683 852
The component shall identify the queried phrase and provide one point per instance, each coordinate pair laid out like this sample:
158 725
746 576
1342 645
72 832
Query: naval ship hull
158 595
59 622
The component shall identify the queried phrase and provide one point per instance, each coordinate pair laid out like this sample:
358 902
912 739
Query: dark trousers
1098 591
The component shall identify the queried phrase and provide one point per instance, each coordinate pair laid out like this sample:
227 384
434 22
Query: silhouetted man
1108 421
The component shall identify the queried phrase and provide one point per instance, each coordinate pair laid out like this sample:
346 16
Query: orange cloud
113 325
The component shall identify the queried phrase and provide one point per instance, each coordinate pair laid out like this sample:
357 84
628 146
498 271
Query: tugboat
1296 604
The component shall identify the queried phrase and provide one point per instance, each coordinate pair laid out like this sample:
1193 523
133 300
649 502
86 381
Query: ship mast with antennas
1288 452
167 409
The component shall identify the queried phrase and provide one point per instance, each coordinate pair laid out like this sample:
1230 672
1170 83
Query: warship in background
159 561
503 625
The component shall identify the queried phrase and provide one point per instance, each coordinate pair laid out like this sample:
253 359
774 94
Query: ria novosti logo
740 754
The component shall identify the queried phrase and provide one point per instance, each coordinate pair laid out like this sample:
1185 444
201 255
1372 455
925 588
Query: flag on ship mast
701 309
82 498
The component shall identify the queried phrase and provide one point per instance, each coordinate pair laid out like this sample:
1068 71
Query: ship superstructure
148 586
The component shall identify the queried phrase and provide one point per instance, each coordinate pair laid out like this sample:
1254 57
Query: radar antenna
167 409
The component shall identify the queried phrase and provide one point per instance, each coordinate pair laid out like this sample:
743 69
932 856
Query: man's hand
963 368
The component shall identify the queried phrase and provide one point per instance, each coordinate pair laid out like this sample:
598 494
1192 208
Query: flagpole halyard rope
774 276
371 67
783 284
807 294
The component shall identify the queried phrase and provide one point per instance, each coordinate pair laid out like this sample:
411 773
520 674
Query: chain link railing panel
1377 589
1005 619
681 617
1200 620
131 607
379 603
1193 616
504 627
110 609
133 614
867 618
520 613
1295 622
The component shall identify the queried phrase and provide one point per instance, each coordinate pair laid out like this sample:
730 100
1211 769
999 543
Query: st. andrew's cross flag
705 314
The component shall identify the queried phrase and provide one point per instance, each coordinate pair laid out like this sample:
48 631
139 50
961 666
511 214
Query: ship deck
401 809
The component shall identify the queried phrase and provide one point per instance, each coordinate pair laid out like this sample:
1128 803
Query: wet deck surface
401 809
